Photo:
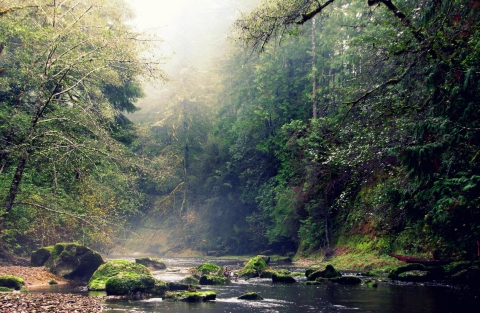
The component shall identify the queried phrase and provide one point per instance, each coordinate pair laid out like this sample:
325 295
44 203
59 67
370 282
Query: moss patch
11 281
112 269
190 296
210 269
214 280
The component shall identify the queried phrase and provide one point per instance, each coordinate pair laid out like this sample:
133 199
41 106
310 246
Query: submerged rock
250 296
152 263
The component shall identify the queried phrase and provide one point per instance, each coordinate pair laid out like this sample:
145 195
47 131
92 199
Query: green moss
190 296
210 269
253 268
40 256
5 289
282 278
328 272
114 268
214 280
122 285
257 263
190 280
11 281
394 273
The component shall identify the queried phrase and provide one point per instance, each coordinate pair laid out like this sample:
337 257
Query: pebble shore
49 302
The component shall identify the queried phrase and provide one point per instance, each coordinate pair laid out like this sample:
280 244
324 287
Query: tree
71 67
409 103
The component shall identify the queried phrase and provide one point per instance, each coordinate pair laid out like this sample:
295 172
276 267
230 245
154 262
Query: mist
195 37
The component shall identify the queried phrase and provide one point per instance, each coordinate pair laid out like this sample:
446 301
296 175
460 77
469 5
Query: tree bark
12 193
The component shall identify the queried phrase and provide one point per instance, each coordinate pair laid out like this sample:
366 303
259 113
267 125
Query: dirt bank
33 276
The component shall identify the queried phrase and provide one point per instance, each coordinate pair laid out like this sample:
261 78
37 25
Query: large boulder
209 269
395 273
129 285
280 277
115 268
253 268
69 260
40 257
328 272
152 263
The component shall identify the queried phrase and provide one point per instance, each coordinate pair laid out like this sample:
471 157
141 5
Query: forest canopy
328 126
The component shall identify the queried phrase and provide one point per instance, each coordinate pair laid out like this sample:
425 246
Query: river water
296 297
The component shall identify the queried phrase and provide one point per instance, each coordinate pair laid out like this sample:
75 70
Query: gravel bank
49 302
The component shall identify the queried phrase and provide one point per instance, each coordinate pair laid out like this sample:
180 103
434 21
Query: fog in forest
194 38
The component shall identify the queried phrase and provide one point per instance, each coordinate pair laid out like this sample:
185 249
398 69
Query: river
297 297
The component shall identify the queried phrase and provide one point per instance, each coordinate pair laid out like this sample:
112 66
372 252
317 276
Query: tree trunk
12 193
314 72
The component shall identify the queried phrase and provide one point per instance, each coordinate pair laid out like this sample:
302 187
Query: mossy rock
250 296
174 286
371 283
346 280
414 276
10 281
266 273
190 280
152 263
253 268
159 288
394 273
214 280
40 256
248 273
455 267
190 296
210 269
123 285
328 272
265 258
257 263
112 269
283 278
468 276
73 261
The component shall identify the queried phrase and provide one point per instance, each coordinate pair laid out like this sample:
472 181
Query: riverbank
50 302
33 276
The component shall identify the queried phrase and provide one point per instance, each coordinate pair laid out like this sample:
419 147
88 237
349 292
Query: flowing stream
296 297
